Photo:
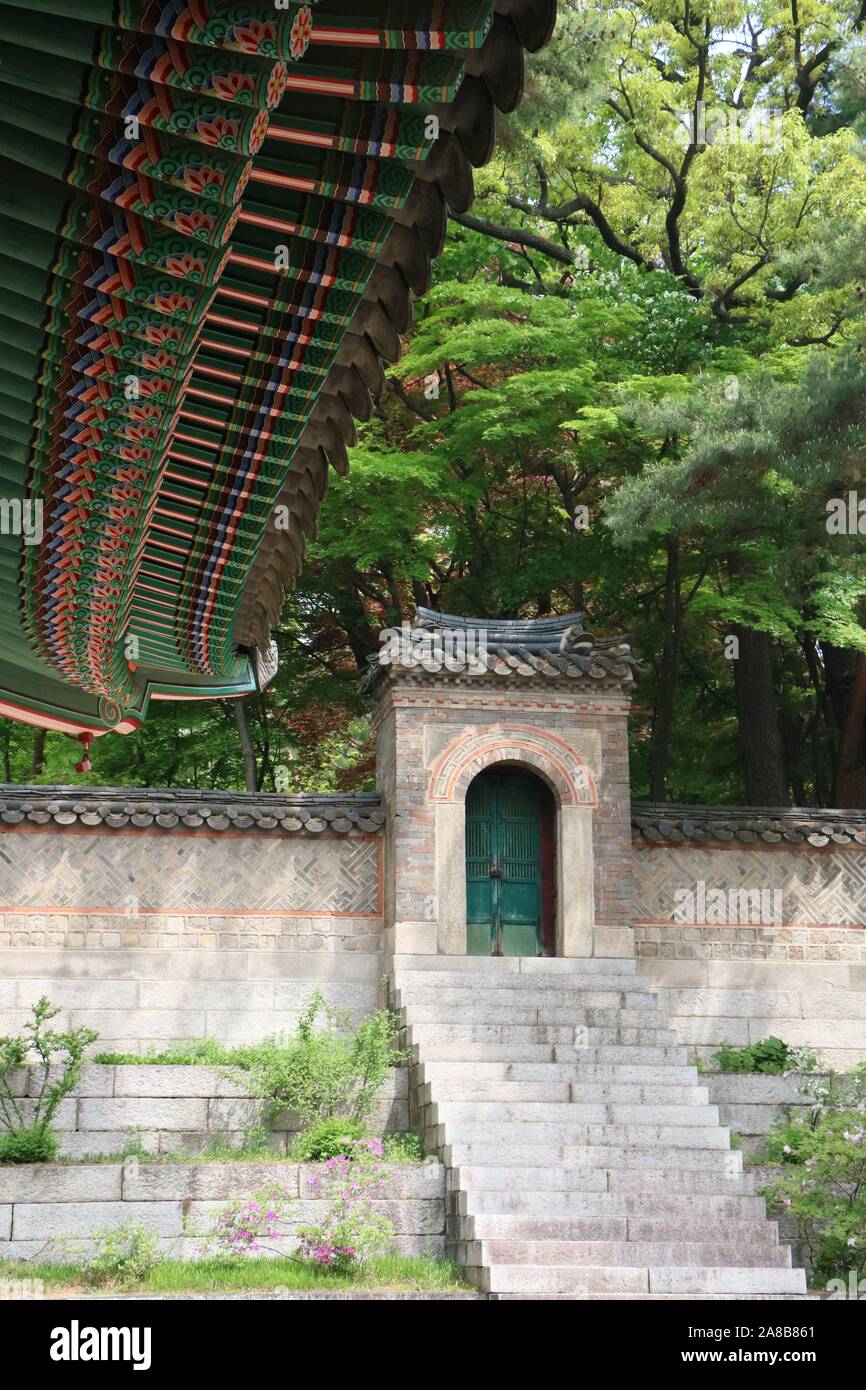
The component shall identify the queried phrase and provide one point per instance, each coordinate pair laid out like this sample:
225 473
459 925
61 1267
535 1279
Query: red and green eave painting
211 214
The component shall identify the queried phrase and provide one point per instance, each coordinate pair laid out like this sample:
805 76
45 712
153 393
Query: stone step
621 1254
550 1205
675 1187
624 1280
588 1040
640 1230
562 1115
560 1093
566 1203
653 1297
606 1011
624 1055
523 966
465 1053
411 984
656 1180
440 1073
505 1150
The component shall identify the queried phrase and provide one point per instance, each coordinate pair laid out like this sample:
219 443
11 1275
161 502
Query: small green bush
403 1148
327 1139
123 1256
34 1145
26 1135
772 1056
326 1069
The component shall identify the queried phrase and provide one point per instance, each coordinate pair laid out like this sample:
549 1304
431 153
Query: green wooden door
503 865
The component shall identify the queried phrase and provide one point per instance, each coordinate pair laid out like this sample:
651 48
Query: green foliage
326 1139
823 1186
678 351
326 1069
34 1145
216 1274
123 1257
55 1060
772 1056
403 1148
196 1052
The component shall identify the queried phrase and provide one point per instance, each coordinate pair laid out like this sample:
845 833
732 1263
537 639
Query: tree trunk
668 674
38 762
246 747
760 734
850 788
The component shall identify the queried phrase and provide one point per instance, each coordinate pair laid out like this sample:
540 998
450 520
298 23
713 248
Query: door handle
496 872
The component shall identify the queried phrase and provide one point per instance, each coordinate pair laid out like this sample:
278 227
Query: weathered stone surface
44 1220
174 1081
53 1182
153 1182
160 1113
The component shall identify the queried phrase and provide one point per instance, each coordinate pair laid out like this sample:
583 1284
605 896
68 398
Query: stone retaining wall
820 1005
750 1103
179 1202
177 1108
165 915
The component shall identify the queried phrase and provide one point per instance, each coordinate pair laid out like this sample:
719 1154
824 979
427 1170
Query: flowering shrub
823 1187
351 1231
244 1226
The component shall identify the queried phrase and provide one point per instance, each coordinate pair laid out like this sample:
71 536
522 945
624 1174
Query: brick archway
563 769
573 786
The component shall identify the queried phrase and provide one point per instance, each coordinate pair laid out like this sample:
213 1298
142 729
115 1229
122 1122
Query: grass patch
390 1273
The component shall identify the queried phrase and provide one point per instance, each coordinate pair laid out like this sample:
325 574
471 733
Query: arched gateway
510 864
502 759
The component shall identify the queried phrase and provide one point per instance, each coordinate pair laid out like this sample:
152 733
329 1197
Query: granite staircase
584 1160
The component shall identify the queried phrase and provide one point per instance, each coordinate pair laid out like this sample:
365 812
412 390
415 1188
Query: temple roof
118 807
213 218
660 824
472 648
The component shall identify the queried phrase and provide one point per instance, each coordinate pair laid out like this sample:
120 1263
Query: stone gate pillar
454 696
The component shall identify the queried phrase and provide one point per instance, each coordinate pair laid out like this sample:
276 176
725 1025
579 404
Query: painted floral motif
219 131
192 222
257 36
232 86
259 131
157 361
302 32
138 411
159 333
276 85
165 303
198 178
183 265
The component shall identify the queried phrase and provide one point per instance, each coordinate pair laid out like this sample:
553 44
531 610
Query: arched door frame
571 781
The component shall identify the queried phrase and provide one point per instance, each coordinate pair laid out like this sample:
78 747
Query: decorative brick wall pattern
822 899
188 873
